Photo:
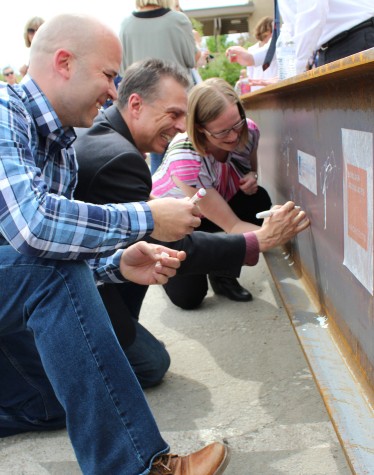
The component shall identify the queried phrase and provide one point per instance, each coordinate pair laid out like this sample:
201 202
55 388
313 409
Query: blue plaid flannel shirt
38 174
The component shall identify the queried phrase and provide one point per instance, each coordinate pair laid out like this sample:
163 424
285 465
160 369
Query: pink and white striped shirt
181 160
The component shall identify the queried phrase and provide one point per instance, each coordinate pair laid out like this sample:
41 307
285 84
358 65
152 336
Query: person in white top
254 56
259 78
333 29
336 28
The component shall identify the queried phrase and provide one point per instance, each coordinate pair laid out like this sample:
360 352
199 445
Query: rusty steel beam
312 127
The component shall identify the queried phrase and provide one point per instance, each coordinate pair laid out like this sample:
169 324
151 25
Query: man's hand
248 184
283 225
173 218
149 264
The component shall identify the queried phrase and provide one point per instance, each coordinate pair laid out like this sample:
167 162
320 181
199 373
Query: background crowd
322 32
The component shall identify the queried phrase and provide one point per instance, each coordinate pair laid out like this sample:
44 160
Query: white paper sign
307 171
358 204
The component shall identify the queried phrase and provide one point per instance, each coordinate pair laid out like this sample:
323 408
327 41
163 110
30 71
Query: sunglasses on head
31 30
9 74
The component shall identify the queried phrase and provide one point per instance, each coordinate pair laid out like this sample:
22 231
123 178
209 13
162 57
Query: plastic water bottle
286 54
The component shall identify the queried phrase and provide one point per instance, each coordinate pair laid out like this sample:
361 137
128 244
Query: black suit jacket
112 170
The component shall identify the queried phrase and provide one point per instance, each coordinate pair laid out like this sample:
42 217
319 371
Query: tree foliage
220 66
198 26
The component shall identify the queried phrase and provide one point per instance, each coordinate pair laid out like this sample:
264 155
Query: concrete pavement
237 373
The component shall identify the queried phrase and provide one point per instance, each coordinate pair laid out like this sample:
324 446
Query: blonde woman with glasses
31 27
219 153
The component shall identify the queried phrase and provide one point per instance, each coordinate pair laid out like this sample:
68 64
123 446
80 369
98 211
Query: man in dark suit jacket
150 111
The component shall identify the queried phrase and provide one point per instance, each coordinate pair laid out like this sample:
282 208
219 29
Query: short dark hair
144 78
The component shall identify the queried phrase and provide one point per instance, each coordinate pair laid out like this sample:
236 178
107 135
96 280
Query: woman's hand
148 264
248 184
238 54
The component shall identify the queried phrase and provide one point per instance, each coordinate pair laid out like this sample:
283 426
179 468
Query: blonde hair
207 101
265 25
175 5
34 23
160 3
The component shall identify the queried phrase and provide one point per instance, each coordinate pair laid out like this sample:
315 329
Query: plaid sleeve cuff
106 270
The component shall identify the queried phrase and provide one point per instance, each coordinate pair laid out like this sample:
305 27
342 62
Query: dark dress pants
188 291
354 42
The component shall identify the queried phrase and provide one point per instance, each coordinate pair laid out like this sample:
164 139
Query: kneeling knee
156 370
188 301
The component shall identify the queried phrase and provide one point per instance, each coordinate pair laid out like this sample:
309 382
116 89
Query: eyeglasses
30 31
8 74
220 135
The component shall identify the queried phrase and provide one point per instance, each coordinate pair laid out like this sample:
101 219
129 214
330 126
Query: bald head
77 33
74 60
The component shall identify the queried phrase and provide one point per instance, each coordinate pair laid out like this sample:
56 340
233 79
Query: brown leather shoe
211 460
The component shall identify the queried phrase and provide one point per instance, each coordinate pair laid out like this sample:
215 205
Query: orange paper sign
357 205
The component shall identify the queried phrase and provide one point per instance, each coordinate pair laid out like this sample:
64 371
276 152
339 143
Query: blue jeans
148 357
60 361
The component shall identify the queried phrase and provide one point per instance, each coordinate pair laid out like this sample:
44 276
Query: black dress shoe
230 288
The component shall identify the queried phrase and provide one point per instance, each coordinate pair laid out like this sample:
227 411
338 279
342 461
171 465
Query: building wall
262 8
249 15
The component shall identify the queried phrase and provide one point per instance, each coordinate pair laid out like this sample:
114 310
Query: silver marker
268 213
264 214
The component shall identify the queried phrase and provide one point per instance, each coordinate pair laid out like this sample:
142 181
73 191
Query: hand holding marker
194 199
268 213
197 196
